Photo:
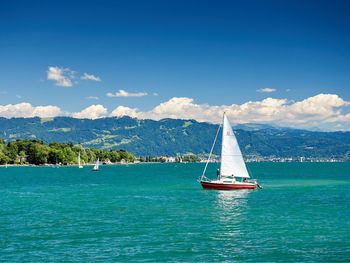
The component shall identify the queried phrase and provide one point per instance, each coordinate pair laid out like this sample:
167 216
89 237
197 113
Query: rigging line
211 151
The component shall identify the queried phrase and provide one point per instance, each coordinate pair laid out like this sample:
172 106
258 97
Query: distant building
21 159
170 159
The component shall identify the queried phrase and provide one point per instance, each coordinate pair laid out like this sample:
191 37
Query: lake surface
158 213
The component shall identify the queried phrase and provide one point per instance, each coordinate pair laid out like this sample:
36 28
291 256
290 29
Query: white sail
232 162
79 164
96 164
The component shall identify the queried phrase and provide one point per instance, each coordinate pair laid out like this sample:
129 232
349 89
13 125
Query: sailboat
233 173
96 166
57 165
79 164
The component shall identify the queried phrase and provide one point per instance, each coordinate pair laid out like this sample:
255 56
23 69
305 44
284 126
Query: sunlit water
158 213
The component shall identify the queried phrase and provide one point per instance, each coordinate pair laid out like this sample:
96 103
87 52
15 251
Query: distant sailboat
97 165
56 164
233 172
79 164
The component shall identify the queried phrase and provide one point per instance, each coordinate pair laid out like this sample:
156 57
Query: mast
222 142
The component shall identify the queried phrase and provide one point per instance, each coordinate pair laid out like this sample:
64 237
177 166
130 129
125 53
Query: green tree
11 152
55 156
69 156
4 159
37 153
114 156
126 156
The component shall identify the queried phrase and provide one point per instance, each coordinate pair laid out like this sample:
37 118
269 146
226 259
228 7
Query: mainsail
96 167
79 162
232 162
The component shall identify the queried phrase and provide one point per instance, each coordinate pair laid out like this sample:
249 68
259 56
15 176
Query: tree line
38 153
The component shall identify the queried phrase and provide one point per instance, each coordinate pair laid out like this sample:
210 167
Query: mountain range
174 136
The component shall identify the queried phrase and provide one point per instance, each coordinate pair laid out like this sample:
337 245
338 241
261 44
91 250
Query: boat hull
221 186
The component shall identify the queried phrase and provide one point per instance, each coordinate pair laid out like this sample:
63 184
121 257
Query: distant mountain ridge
174 136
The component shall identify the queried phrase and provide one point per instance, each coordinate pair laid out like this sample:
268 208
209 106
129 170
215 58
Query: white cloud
124 111
92 77
155 94
91 112
62 76
123 93
91 98
321 104
26 110
322 110
266 90
18 96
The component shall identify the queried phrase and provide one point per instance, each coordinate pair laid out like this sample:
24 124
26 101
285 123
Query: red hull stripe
208 185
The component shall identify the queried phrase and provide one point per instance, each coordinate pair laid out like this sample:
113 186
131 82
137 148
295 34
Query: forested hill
171 137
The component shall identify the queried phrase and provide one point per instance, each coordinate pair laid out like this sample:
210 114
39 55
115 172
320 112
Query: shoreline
143 163
59 165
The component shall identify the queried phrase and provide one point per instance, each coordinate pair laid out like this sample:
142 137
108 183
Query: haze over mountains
173 136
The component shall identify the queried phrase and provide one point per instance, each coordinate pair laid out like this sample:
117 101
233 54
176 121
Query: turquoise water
158 213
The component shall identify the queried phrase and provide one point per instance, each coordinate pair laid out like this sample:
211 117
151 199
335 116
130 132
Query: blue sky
213 52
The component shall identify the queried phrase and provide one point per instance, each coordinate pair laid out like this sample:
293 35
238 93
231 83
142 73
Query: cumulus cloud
124 93
63 77
91 112
26 110
322 110
125 111
91 77
266 90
